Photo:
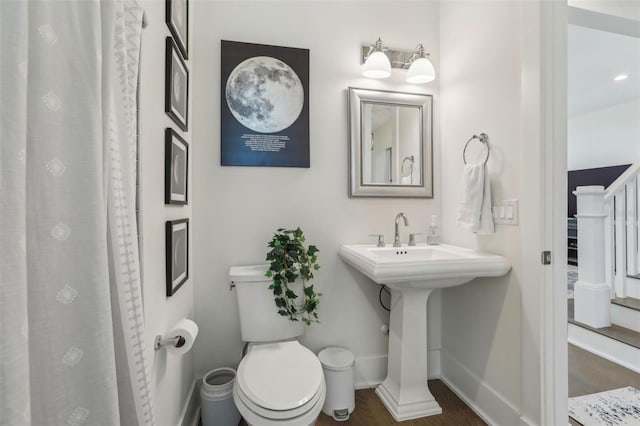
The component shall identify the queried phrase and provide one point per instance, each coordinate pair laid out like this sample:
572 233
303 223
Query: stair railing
622 257
608 235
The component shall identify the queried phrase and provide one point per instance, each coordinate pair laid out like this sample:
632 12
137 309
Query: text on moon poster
264 111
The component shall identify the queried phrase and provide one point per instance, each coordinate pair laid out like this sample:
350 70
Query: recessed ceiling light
621 77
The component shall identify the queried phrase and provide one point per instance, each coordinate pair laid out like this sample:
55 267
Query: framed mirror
391 146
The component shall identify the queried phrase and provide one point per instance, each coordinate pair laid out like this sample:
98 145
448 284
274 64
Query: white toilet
279 381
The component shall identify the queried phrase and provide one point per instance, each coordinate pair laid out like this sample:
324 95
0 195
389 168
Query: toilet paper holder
177 341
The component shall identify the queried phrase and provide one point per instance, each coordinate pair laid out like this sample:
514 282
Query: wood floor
615 332
588 373
371 412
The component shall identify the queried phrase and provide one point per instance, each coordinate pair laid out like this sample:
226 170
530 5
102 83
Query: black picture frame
177 254
177 19
176 168
176 94
264 105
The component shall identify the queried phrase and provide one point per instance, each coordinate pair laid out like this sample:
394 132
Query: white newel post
591 293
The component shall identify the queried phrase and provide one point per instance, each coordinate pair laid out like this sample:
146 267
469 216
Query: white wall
480 83
628 9
172 376
236 209
606 137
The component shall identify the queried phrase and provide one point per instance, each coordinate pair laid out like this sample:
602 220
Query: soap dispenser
433 235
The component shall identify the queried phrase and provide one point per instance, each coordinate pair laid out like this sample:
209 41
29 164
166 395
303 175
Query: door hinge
546 257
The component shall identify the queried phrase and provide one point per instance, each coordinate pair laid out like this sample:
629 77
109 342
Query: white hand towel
474 212
486 217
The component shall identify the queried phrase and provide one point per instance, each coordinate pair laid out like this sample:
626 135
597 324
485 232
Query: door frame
555 19
544 133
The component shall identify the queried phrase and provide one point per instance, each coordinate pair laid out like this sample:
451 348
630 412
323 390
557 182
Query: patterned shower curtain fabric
72 348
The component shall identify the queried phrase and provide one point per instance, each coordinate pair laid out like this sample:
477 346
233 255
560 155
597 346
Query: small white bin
337 364
216 398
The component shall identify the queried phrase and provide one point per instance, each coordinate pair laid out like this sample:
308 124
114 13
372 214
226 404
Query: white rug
619 407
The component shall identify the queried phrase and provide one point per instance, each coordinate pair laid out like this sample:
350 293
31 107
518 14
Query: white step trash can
216 398
337 364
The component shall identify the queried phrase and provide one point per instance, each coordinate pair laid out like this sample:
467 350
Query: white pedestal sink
413 273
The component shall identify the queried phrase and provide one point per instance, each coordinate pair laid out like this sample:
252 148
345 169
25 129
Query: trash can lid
336 358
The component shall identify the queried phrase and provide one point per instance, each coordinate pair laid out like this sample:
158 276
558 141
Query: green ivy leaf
290 275
291 295
275 265
289 261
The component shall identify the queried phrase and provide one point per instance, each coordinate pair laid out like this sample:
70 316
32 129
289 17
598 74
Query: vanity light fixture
377 64
378 60
621 77
421 69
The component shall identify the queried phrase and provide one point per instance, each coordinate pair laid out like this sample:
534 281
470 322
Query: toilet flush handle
232 285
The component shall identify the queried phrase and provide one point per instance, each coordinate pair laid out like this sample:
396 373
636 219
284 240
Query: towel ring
484 138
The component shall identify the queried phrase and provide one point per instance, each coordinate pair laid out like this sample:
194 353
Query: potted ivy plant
292 260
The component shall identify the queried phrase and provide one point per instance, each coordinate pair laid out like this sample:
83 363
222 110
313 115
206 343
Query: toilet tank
259 318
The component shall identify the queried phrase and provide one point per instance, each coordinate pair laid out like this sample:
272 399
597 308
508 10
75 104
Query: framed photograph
176 94
264 105
176 168
177 254
177 17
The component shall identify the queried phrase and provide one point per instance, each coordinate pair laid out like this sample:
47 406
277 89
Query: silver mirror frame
357 188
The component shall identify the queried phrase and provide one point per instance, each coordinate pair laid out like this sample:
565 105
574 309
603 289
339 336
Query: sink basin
413 273
422 266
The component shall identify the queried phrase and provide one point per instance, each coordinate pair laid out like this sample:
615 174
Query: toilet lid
280 376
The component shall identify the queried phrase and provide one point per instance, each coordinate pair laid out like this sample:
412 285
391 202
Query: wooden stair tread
621 334
627 302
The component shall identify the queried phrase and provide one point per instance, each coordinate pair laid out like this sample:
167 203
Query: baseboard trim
370 371
609 349
524 421
632 287
625 317
190 415
434 363
487 403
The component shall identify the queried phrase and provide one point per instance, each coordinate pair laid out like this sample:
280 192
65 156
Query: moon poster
264 111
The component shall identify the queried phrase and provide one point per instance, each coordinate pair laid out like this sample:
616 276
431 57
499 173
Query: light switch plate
505 212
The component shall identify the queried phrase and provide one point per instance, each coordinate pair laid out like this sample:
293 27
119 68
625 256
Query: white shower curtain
72 346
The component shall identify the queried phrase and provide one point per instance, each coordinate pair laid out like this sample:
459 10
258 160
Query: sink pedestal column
404 392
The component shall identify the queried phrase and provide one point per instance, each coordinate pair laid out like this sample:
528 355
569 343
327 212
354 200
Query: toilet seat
264 417
275 415
279 376
279 383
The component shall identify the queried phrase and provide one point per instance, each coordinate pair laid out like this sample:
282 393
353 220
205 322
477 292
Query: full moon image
264 94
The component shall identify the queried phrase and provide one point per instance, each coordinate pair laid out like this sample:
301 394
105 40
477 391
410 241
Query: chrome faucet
396 236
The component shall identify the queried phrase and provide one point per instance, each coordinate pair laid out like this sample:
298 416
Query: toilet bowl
279 383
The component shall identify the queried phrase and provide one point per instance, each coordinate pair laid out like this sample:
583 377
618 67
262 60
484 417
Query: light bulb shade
421 71
377 65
